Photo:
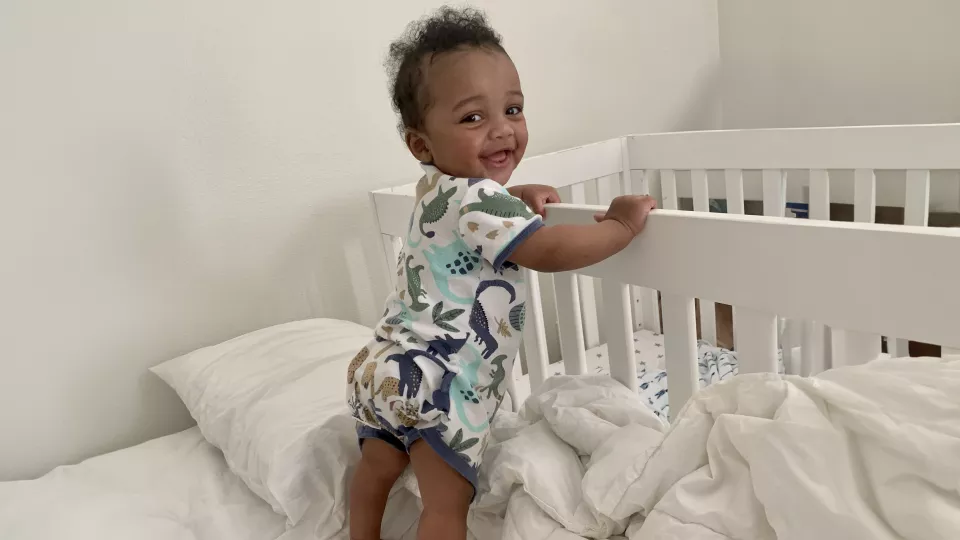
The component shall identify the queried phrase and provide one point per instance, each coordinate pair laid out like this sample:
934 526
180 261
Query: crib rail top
839 274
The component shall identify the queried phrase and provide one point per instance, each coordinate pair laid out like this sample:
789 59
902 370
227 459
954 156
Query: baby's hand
630 210
536 196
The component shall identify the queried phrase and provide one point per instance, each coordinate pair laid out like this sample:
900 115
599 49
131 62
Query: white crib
894 281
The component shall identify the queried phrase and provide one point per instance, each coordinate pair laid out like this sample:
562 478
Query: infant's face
474 125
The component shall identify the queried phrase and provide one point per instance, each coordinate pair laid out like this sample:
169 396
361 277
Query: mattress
715 365
172 488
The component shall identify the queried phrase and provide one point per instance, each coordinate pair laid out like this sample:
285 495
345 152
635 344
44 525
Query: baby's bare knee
383 460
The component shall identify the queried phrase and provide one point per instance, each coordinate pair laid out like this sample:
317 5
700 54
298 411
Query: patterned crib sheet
715 365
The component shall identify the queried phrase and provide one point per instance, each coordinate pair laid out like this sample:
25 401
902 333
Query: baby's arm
561 248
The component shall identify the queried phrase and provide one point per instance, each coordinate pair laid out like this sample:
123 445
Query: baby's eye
471 118
515 110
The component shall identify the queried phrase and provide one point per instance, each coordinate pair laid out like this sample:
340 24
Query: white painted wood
578 193
392 246
668 186
617 321
648 300
570 323
816 335
819 194
701 203
586 285
626 171
757 341
393 212
865 196
812 349
854 347
947 351
534 332
774 193
570 166
701 190
680 350
734 185
607 189
844 296
898 348
651 309
885 147
916 210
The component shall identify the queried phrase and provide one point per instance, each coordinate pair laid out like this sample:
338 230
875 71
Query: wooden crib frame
879 288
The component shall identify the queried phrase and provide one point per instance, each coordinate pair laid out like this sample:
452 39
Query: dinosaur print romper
437 366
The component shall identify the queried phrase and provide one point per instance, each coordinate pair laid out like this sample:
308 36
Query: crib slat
811 349
916 211
616 308
819 194
774 205
626 175
570 323
756 341
815 354
392 246
735 205
534 332
586 284
701 203
701 190
734 181
646 306
605 190
774 193
668 186
680 349
853 348
917 205
649 298
864 196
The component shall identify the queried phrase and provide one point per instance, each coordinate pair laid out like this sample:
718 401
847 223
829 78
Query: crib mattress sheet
172 488
715 364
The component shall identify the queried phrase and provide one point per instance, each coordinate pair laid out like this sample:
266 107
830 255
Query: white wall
176 173
790 63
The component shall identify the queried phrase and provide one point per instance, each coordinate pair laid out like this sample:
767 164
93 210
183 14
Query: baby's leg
380 466
446 495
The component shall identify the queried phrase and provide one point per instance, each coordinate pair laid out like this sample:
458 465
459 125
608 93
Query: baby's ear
418 145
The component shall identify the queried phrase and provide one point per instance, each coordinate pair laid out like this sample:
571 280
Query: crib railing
718 165
854 296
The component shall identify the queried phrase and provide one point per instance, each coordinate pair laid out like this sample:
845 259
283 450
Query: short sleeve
493 222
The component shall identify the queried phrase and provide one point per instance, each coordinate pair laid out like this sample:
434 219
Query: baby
427 387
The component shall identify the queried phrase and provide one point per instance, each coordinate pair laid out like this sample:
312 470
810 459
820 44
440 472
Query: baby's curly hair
446 30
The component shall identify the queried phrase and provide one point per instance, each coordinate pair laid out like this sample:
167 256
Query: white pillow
273 402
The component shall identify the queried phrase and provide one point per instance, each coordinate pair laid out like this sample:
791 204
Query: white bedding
176 487
868 452
861 452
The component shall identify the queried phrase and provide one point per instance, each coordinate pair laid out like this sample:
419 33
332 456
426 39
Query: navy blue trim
441 396
435 440
366 432
508 250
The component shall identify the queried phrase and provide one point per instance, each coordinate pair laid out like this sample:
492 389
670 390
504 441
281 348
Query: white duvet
870 452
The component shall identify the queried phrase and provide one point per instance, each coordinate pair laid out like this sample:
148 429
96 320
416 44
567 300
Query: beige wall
790 63
829 63
176 173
